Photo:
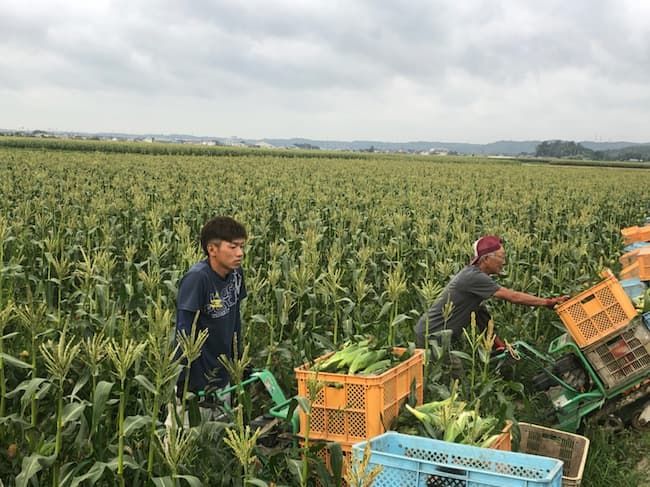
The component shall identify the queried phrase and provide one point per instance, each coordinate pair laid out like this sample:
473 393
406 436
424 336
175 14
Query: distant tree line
566 149
165 148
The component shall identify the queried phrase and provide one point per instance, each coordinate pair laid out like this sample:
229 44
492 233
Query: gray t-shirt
466 290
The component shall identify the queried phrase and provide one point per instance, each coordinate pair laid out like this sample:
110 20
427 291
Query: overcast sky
454 71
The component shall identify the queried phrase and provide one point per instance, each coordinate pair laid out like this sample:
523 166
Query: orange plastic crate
636 234
597 312
504 441
630 272
352 408
628 258
636 264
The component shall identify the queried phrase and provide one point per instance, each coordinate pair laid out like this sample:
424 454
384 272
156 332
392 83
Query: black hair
221 228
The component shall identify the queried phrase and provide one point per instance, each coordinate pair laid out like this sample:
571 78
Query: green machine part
570 404
281 404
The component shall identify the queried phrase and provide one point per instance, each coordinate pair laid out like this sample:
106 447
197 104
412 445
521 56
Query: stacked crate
598 312
603 320
636 234
624 356
604 323
636 264
352 408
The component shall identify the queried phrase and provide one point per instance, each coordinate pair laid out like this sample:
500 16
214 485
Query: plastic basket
572 449
351 408
635 245
597 312
630 272
642 260
636 234
633 287
413 461
628 258
504 440
622 357
636 264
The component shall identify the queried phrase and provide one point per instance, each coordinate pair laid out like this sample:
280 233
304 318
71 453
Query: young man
469 288
214 287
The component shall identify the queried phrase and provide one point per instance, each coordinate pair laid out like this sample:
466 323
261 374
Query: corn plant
101 233
178 449
32 317
5 316
58 362
190 346
236 368
359 473
123 355
164 365
241 440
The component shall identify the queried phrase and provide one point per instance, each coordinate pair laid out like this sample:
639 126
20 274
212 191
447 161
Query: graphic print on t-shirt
220 304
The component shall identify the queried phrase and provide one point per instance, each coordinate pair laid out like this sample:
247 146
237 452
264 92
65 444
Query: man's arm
184 321
190 299
518 297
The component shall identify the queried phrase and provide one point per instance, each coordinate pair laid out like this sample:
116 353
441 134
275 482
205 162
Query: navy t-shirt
218 300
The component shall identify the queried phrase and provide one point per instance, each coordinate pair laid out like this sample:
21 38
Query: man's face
495 261
225 254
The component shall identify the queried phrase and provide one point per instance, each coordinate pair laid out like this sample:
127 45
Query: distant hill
606 146
638 152
501 147
506 147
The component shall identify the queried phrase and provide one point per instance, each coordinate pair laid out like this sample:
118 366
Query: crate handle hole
588 299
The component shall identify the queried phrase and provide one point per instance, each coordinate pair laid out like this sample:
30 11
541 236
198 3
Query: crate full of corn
451 419
358 391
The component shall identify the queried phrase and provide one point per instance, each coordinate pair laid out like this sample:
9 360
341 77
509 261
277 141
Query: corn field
93 244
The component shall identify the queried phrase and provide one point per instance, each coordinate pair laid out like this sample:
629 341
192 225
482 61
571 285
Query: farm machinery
279 416
609 384
570 377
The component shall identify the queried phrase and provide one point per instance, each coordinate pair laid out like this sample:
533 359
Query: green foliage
562 149
95 238
611 461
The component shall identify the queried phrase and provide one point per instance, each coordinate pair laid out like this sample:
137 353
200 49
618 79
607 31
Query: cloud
395 69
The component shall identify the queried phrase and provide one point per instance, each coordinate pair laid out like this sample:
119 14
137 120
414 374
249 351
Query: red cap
485 245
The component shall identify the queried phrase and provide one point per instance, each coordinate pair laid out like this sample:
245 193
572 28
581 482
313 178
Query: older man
469 288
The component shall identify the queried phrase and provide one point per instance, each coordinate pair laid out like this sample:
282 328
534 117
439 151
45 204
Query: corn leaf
14 362
72 411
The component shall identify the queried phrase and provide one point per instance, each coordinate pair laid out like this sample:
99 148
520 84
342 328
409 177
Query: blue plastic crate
634 246
633 287
412 461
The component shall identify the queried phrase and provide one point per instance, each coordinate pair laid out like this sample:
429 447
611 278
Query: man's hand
552 302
